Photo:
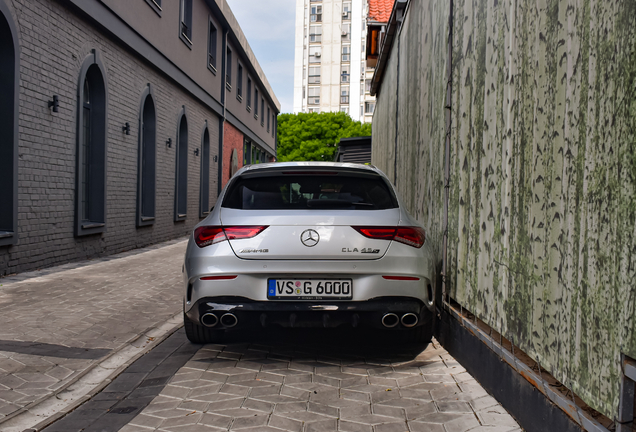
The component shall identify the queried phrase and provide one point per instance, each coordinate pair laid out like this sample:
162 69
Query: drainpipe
400 19
397 109
222 119
448 107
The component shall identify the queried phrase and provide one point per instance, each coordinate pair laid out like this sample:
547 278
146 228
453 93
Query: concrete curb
86 384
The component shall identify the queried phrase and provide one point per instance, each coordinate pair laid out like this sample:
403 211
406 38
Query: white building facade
330 72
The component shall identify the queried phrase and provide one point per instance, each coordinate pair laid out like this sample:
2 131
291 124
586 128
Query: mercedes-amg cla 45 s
308 244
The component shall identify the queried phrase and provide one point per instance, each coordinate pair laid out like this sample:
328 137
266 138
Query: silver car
308 244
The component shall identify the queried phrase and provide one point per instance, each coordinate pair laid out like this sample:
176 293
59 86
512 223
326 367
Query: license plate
309 289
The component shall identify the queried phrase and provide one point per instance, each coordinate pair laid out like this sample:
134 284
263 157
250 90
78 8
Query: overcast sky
269 28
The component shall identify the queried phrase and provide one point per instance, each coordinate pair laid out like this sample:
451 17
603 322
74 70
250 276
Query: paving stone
189 428
193 405
176 392
238 412
210 419
261 429
404 402
187 376
350 426
288 407
389 411
225 404
234 389
354 411
257 420
132 428
189 418
489 418
462 424
371 419
392 427
417 426
258 405
454 406
305 416
162 406
270 390
145 420
284 423
322 426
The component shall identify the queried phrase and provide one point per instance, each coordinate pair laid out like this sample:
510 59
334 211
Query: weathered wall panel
542 210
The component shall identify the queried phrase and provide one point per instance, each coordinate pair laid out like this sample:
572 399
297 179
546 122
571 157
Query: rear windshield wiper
339 203
335 203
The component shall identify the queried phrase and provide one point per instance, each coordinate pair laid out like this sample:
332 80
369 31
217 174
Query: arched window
147 159
9 80
181 174
204 201
90 210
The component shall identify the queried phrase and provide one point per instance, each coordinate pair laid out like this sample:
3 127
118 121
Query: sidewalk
66 331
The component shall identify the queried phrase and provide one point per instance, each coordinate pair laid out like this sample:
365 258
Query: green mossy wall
542 209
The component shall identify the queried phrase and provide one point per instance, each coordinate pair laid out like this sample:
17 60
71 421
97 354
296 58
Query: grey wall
50 61
542 204
238 109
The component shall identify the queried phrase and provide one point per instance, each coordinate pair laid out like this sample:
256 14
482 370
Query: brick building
113 123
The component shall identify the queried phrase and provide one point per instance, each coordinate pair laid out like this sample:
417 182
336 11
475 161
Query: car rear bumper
239 312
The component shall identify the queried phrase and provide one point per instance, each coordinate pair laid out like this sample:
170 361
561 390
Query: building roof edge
395 21
239 36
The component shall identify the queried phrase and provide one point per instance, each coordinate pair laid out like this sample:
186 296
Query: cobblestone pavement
301 385
61 325
56 324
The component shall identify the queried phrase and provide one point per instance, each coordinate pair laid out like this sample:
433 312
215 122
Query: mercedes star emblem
310 238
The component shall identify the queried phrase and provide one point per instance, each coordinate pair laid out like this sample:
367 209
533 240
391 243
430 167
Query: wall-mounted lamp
196 152
126 128
55 103
169 143
215 158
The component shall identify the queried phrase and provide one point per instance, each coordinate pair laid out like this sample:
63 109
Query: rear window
287 192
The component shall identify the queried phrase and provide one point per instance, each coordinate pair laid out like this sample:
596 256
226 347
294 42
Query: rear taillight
208 235
412 236
243 232
380 233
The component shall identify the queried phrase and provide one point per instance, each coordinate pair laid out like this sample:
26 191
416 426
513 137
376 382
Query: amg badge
254 251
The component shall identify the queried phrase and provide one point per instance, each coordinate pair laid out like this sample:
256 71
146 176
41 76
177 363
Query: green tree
315 137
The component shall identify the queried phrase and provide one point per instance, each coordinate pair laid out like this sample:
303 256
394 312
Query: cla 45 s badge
363 250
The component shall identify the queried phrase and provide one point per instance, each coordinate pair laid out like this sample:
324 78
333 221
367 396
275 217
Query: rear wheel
199 334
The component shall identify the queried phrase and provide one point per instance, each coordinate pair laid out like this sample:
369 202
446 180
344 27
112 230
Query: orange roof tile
380 10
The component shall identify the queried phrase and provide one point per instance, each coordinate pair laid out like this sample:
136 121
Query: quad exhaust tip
209 319
229 320
390 320
409 319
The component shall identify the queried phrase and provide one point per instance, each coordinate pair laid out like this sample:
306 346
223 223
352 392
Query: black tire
199 334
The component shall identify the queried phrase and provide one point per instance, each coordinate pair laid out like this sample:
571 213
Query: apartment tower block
330 72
